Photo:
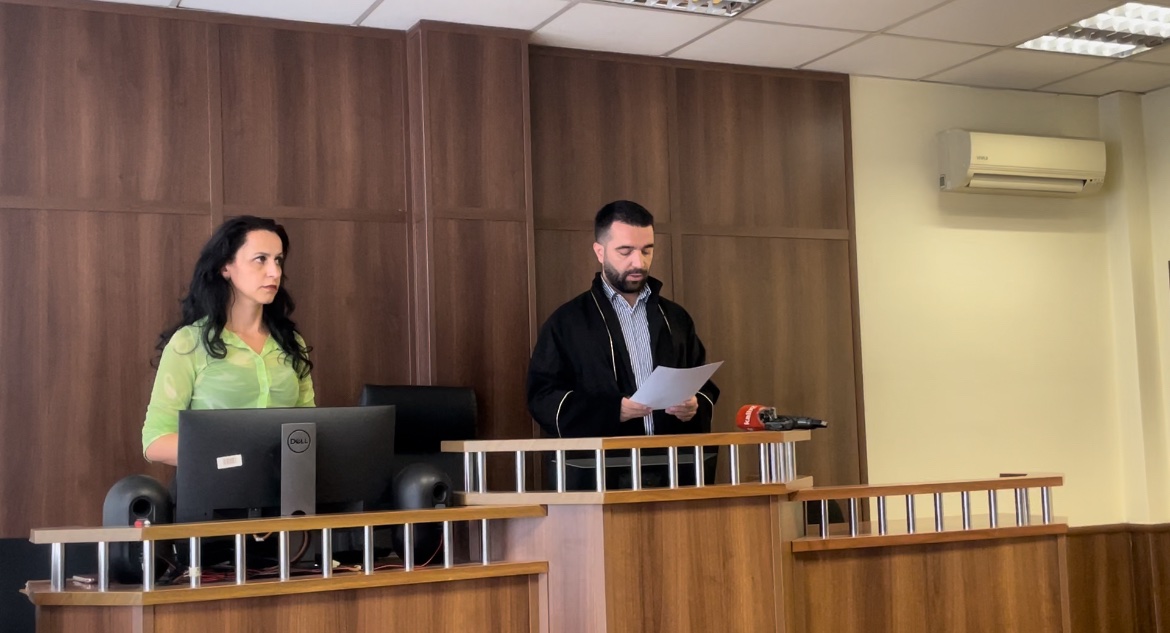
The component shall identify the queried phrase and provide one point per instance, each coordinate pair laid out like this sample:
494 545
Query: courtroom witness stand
236 346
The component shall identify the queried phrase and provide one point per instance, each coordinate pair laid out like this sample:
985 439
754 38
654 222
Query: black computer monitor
229 460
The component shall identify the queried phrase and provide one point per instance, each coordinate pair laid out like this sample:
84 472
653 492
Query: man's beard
621 281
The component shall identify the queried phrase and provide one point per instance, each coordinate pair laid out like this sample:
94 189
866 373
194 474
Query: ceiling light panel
722 8
1120 32
1132 17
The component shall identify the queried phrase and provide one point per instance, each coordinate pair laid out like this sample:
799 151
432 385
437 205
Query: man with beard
595 350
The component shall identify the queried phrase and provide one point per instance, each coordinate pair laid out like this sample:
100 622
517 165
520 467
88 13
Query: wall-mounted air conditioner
979 162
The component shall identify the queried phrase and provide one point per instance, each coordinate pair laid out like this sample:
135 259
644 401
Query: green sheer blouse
189 378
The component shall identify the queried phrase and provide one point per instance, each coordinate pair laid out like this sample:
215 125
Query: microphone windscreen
748 417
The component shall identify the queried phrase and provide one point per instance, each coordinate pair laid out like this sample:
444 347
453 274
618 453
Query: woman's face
256 272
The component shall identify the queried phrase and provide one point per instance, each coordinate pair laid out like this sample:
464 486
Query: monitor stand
298 469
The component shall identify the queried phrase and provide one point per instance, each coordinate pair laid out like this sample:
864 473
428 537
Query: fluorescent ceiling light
1126 30
1133 17
1079 47
722 8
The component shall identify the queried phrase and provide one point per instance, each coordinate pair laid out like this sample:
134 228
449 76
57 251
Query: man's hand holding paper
686 410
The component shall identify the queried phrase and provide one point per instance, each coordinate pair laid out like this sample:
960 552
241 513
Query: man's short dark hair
624 211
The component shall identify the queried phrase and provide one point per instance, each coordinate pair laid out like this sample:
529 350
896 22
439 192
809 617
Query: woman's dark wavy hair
210 295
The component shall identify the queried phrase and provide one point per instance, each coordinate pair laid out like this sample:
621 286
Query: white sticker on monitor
229 461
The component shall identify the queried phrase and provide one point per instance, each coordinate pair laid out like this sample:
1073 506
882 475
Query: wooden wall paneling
215 129
104 108
1157 556
535 465
1101 583
481 319
760 150
1119 578
473 217
1003 585
676 230
599 133
313 120
781 319
1145 582
351 284
211 17
84 298
422 291
565 268
1150 555
476 86
315 133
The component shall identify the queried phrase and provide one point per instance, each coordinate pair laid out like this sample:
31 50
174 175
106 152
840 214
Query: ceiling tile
761 44
332 12
1123 76
898 57
511 14
1000 22
1020 69
870 15
1160 55
636 30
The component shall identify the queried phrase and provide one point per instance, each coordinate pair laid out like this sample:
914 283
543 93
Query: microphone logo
748 417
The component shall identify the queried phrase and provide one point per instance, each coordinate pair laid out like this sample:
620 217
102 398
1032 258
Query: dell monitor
230 460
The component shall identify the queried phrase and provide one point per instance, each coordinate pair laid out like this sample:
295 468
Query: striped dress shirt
636 331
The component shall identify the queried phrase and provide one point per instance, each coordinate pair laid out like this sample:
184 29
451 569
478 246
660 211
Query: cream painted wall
1156 133
986 321
1136 279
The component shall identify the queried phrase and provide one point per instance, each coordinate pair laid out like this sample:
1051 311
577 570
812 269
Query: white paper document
668 386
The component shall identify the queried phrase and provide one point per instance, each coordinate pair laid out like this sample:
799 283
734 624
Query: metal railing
1021 486
324 525
776 451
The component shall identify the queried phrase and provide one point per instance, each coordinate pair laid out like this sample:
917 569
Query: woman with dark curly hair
236 346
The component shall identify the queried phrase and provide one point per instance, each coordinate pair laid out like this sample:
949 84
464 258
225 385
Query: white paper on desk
668 386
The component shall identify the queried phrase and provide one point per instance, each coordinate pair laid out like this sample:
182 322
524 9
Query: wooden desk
964 573
665 559
671 561
435 598
499 598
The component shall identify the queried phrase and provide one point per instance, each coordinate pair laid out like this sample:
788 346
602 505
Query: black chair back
426 415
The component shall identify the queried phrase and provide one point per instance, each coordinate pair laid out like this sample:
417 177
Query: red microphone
757 417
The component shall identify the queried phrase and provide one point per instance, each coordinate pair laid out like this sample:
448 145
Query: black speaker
417 487
131 499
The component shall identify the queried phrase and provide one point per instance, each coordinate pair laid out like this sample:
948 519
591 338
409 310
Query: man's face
625 253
